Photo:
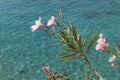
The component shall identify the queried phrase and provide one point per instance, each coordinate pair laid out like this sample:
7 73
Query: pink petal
47 68
52 21
104 40
34 27
43 69
49 23
112 59
53 18
36 22
97 47
100 35
113 65
37 25
100 40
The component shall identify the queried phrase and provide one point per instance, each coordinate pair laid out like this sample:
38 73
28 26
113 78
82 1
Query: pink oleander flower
102 43
52 21
113 65
112 59
37 24
46 69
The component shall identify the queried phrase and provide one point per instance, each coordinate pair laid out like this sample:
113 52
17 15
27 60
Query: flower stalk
93 69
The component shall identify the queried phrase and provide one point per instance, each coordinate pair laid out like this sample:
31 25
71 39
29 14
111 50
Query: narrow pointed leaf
61 13
87 37
77 39
68 58
85 30
92 42
70 49
80 41
74 33
68 44
85 73
65 55
71 45
65 38
63 41
61 32
118 53
76 50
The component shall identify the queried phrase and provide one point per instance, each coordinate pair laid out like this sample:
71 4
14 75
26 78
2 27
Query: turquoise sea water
23 53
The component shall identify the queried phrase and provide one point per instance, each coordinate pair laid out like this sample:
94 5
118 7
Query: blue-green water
24 53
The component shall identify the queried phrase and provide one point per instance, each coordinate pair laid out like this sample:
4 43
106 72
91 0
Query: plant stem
93 69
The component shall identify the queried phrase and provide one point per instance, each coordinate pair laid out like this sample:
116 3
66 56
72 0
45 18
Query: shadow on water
94 14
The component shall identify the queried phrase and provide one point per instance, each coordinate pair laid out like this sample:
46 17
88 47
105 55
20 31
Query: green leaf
92 42
85 30
62 32
77 39
71 45
87 37
74 32
61 12
70 49
66 42
68 58
68 54
118 53
86 73
65 38
80 41
117 50
76 49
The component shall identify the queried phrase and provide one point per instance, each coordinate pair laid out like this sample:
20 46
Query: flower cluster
46 69
102 43
55 75
52 21
38 24
103 46
112 59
